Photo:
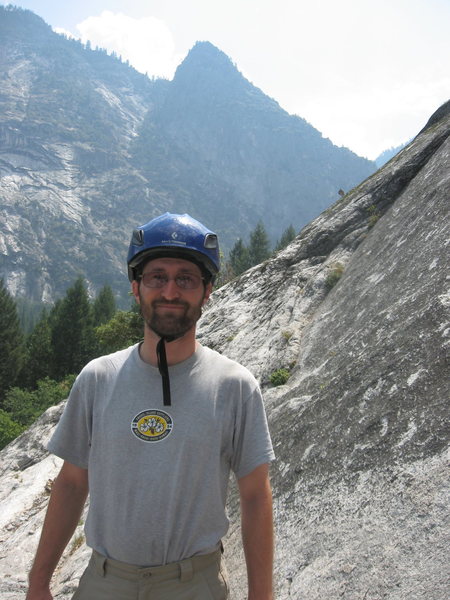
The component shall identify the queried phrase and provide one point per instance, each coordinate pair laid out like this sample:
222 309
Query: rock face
360 428
89 148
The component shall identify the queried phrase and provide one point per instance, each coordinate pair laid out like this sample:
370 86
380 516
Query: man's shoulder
227 365
109 363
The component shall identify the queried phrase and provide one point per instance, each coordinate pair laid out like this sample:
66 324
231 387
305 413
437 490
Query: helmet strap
164 369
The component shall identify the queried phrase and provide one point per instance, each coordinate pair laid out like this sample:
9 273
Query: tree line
37 368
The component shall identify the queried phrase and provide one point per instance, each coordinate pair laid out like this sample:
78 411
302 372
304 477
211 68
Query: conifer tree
73 339
11 342
39 353
239 257
259 248
225 274
287 236
104 306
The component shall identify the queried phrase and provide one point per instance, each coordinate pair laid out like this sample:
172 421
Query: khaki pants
197 578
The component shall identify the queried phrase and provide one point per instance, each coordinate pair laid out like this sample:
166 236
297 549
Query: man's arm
67 499
257 531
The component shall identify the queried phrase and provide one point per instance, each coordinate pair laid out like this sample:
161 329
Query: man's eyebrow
192 271
184 270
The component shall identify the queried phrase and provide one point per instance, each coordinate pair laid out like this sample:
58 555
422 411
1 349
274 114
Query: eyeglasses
158 280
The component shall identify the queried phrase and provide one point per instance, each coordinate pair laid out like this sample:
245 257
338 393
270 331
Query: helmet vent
210 241
137 239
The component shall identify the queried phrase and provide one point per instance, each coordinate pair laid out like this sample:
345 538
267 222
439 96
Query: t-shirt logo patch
152 425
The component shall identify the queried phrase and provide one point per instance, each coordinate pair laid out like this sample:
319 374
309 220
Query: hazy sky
367 74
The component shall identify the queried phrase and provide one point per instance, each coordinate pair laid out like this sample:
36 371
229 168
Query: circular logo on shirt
152 425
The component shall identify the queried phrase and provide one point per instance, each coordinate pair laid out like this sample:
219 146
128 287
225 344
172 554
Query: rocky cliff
89 148
356 309
361 427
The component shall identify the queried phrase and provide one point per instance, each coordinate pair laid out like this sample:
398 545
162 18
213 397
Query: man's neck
176 351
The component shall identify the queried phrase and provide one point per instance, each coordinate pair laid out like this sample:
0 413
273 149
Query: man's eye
155 279
185 280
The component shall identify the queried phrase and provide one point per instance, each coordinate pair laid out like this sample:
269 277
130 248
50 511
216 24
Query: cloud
146 43
63 31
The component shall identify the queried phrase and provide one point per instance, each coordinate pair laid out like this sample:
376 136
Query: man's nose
170 290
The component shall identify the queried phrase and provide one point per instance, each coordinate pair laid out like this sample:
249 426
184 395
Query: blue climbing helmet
174 236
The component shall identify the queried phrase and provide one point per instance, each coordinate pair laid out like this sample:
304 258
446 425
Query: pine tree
73 339
11 342
39 353
287 237
259 248
104 306
225 274
239 257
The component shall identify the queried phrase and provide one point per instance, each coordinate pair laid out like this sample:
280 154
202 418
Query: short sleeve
252 445
71 440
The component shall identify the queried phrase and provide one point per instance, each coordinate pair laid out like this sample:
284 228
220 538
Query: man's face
171 311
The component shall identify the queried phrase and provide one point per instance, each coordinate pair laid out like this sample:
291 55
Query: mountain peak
204 50
206 61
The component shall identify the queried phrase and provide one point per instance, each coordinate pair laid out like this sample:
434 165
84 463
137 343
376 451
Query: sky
367 74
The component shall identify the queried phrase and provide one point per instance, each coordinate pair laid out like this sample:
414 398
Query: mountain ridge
91 148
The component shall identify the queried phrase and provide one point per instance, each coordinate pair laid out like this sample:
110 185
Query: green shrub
334 275
279 377
372 220
123 330
374 215
24 406
9 429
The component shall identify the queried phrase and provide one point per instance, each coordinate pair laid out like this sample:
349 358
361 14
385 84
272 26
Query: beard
170 324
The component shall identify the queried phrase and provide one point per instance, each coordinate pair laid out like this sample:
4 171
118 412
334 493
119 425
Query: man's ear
208 291
135 290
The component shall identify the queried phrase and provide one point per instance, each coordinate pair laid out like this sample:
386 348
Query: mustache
157 303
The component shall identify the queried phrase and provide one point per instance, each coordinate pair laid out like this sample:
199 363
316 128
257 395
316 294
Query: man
152 432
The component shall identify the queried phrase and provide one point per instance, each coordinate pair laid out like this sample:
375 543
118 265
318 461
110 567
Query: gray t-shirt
158 475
